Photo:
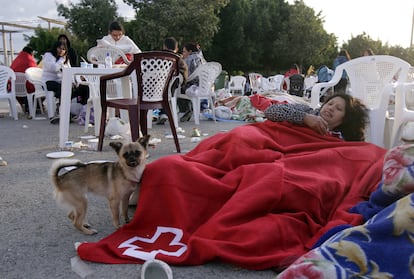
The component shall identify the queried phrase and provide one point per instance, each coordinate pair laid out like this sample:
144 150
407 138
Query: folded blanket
258 197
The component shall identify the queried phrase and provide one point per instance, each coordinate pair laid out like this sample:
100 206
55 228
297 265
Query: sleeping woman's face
333 112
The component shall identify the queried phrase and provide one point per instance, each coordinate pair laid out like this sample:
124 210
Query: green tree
268 36
356 45
43 40
89 19
248 29
195 20
305 41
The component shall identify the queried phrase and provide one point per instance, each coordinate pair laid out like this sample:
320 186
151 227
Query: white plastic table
68 75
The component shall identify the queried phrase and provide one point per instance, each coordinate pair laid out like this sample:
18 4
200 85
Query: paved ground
36 237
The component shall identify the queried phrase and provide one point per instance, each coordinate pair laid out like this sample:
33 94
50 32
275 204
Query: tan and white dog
114 180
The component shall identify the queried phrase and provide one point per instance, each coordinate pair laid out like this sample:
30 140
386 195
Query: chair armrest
319 89
179 79
194 75
114 75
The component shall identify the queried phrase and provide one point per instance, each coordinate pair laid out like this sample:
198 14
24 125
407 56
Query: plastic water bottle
108 61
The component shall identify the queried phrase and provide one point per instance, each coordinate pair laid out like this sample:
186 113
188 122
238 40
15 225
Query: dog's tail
60 164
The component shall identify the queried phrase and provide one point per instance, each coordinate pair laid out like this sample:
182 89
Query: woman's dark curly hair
355 118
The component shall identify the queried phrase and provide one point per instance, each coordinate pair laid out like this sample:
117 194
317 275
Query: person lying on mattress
341 115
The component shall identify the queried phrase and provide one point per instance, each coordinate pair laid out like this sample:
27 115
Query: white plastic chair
96 55
114 90
34 75
371 79
206 74
309 82
6 75
276 82
21 91
403 113
237 85
255 80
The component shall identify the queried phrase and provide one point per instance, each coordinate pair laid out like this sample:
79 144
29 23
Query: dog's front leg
124 206
114 205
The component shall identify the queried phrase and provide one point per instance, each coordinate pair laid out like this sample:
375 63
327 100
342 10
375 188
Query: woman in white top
54 60
118 39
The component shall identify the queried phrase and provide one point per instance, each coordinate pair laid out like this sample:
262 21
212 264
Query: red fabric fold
261 102
258 197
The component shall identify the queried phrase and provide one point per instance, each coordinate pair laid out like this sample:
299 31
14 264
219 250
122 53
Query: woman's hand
316 123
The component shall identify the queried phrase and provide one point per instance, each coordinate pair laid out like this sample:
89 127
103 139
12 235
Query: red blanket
258 197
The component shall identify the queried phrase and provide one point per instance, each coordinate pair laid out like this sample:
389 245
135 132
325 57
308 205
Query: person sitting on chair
54 60
171 45
193 57
116 38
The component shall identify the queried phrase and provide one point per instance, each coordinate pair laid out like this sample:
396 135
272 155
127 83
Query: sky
388 21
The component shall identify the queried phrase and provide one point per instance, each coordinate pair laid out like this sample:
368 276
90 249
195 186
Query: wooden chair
152 74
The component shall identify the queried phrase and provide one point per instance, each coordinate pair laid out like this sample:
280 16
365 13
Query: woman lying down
259 196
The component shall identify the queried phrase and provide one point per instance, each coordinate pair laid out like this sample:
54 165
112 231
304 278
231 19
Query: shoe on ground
162 119
54 120
74 118
156 269
186 116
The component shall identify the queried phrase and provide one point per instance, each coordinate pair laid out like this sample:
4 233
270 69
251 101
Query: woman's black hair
116 25
191 47
54 48
355 118
67 39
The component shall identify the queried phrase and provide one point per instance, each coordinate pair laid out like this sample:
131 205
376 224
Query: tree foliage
268 36
43 40
187 21
265 36
306 42
357 45
89 19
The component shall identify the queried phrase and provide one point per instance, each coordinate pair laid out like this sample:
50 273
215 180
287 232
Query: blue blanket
380 248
